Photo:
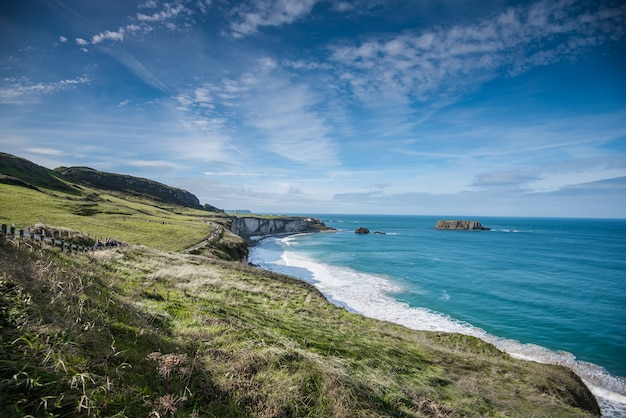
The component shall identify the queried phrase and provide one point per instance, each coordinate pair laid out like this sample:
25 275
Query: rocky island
461 225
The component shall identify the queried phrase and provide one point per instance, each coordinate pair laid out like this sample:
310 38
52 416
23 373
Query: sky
423 107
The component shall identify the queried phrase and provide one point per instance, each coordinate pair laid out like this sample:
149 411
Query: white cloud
253 174
203 6
284 112
133 28
170 12
81 42
249 17
62 39
150 4
22 90
280 113
44 151
117 36
444 62
159 165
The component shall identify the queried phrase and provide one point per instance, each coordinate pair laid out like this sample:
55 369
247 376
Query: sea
546 290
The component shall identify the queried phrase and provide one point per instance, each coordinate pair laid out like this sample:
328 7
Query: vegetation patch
149 331
136 331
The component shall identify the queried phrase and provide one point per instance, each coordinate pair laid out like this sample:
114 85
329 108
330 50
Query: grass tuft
140 332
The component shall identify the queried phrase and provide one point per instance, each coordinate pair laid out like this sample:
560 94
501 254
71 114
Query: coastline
612 403
255 228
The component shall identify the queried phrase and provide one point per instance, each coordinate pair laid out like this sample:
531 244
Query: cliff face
461 225
251 228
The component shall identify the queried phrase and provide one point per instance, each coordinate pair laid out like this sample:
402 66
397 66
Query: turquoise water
549 290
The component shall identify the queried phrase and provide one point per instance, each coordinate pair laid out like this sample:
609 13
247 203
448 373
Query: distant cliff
254 228
461 225
129 184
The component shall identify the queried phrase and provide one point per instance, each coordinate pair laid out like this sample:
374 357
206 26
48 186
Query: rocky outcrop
362 230
461 225
254 228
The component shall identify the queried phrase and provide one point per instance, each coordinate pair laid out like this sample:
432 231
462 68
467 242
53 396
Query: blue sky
464 107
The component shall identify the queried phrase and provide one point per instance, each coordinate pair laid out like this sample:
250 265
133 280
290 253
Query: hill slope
140 211
137 330
129 184
21 172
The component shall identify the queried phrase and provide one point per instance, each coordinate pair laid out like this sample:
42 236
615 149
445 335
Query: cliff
461 225
254 228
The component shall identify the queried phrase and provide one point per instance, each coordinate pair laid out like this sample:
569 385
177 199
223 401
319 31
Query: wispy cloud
284 112
444 62
137 67
150 4
504 181
23 90
162 167
44 151
280 112
169 12
252 15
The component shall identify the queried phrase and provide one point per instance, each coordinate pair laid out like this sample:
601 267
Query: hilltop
140 211
149 330
21 172
129 185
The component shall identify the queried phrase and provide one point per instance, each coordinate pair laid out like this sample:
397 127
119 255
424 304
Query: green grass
144 330
131 331
103 215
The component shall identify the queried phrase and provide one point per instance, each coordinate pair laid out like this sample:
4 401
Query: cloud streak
22 90
445 62
249 17
404 104
281 113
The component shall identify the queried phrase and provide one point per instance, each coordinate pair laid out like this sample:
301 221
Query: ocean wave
369 295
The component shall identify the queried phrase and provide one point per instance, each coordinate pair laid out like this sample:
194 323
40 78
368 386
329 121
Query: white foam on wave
369 295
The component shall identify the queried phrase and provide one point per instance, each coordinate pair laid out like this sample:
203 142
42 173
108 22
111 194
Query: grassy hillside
145 330
103 214
135 331
129 185
18 171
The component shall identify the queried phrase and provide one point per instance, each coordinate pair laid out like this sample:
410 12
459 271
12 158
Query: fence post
4 229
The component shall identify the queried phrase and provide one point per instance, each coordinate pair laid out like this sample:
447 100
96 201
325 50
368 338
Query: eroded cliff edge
253 228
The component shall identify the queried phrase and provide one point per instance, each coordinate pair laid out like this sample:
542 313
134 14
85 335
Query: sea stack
461 225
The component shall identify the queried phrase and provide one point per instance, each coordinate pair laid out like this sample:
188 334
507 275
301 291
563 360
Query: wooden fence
41 239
